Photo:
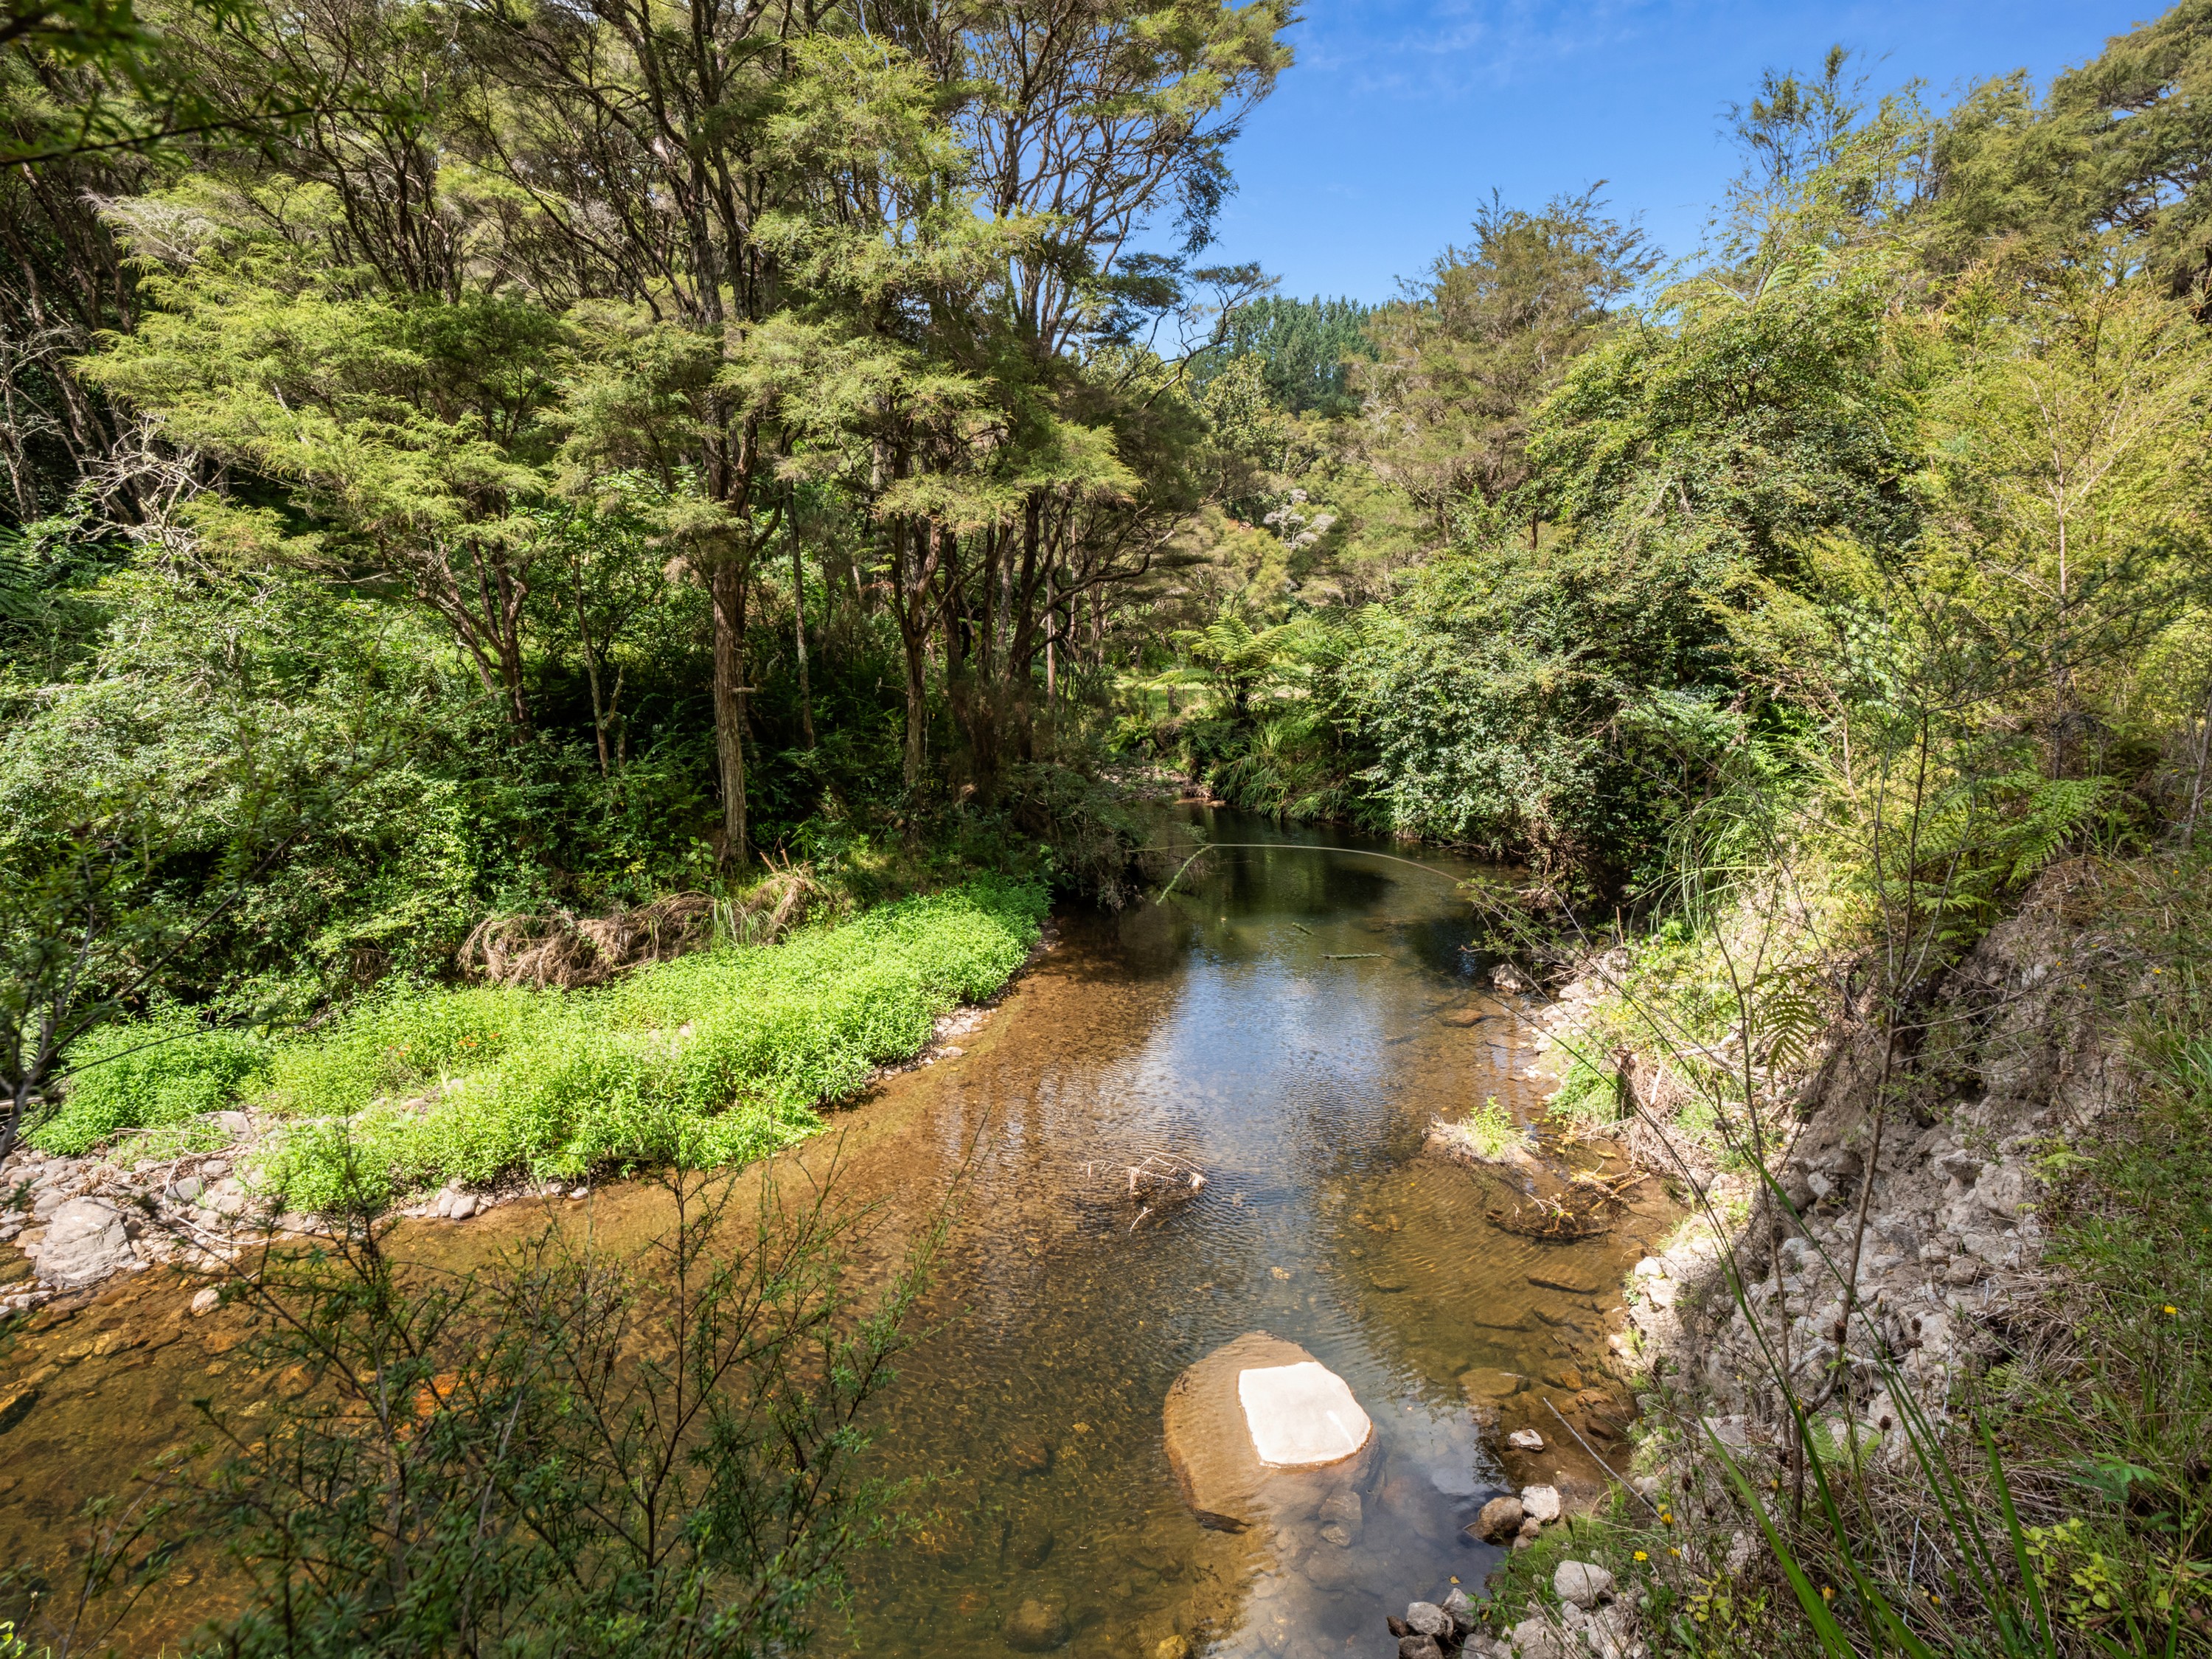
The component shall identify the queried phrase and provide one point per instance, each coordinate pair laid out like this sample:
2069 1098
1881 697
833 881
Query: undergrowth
717 1058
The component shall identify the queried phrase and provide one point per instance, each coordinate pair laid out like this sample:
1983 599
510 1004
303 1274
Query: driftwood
1161 1181
1586 1208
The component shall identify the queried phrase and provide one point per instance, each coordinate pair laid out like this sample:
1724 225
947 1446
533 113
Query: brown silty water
1289 1021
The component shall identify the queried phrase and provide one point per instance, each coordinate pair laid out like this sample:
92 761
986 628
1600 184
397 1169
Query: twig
1593 1451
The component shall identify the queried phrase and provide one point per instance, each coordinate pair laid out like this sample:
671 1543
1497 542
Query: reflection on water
1215 1027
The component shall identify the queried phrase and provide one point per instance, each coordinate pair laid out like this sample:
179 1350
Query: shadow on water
1290 1021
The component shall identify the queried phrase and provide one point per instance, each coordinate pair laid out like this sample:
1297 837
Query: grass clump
159 1072
714 1058
1490 1129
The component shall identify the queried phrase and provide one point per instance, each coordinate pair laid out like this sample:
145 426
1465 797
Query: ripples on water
1214 1027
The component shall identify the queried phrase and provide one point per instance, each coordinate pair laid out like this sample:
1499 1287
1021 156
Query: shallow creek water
1290 1021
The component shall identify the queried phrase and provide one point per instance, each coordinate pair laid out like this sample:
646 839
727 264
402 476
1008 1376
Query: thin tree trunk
591 664
726 584
798 627
908 586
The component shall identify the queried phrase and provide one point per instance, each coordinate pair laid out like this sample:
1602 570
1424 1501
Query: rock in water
1541 1504
1301 1415
1259 1430
1342 1519
1526 1440
1485 1383
85 1242
1030 1456
1419 1647
1427 1618
1035 1549
1036 1627
1500 1519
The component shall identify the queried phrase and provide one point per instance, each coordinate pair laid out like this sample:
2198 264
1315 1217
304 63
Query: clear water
1215 1028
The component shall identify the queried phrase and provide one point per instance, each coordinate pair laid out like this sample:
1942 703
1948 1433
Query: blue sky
1402 114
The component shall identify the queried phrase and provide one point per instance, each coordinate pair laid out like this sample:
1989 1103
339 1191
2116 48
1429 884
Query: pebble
1036 1627
1526 1440
206 1301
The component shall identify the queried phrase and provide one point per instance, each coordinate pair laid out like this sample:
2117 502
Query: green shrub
150 1073
1587 1094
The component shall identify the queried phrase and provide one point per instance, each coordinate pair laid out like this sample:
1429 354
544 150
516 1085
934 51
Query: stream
1290 1021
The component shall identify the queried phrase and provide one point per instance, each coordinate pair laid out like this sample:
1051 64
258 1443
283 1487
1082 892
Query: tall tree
1464 360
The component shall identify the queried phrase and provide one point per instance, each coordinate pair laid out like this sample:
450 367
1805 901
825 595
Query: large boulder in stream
1262 1431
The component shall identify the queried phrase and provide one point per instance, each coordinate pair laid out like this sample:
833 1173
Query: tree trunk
799 629
727 587
591 665
909 606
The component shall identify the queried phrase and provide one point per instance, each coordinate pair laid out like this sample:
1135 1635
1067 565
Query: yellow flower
1826 1595
1641 1556
2173 1311
1671 1550
1666 1519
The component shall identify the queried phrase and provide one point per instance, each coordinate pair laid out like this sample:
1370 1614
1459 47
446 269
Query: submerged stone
1259 1430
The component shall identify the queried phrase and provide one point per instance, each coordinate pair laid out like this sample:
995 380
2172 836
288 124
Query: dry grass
567 952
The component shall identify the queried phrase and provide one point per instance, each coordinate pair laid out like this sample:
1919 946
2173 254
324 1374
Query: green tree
1464 360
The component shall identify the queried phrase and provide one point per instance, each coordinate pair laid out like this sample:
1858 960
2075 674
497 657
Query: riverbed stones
1030 1456
85 1242
1485 1383
1527 1440
1036 1627
1034 1550
1573 1281
1259 1430
1342 1519
1541 1503
1500 1519
1583 1584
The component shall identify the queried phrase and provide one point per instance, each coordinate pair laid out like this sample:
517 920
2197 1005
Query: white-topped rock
1259 1430
1301 1415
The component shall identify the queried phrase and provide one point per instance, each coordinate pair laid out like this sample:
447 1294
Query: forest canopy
475 461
